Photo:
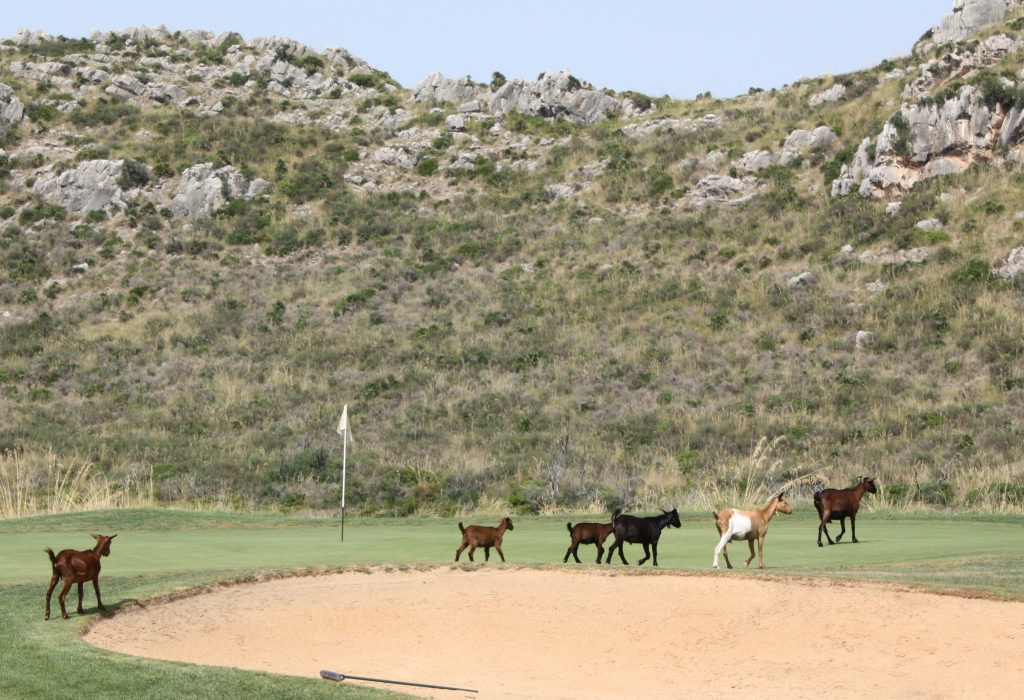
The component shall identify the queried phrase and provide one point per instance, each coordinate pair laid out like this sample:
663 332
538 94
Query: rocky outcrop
932 140
1013 266
833 94
679 126
12 111
26 38
969 17
552 95
92 185
721 189
204 190
797 143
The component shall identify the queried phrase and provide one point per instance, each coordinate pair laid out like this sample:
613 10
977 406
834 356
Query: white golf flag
343 428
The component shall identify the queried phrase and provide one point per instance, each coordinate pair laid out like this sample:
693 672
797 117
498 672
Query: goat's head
508 524
869 484
783 505
103 544
673 519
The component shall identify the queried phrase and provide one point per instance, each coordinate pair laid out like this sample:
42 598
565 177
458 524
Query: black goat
645 531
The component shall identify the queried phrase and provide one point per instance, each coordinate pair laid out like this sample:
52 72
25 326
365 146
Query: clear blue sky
678 47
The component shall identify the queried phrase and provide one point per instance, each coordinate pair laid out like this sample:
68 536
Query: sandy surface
554 635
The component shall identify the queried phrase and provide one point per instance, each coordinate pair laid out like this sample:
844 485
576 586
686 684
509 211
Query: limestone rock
395 156
560 191
552 95
455 122
757 160
1013 266
722 188
833 94
970 17
12 111
820 139
804 279
930 225
864 338
202 190
90 186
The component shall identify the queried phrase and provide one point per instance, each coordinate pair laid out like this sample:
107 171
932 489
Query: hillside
534 294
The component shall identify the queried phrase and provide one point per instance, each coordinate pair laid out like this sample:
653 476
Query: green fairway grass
159 552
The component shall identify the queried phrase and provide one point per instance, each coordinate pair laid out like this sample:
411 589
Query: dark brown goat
77 567
587 533
840 504
645 531
479 536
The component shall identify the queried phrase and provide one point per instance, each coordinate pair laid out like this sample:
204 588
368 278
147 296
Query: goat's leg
80 611
720 549
61 597
487 553
760 550
600 552
842 524
654 548
500 553
647 554
747 562
822 528
853 527
567 553
460 550
472 548
621 555
96 585
49 593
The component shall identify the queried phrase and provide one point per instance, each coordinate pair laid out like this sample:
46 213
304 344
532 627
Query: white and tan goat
738 525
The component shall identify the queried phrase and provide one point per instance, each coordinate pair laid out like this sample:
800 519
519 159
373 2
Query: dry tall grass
38 483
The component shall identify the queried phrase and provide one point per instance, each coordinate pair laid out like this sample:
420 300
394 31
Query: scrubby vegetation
500 347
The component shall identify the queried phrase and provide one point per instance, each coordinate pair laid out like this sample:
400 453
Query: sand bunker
574 635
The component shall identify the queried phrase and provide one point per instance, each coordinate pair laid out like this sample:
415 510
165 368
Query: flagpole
344 468
343 431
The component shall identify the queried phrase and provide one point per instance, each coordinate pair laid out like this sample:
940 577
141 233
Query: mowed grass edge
163 553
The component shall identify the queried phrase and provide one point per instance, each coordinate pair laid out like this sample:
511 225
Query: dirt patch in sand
548 634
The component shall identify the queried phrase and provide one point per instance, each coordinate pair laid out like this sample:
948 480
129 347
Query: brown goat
479 536
587 533
77 567
840 504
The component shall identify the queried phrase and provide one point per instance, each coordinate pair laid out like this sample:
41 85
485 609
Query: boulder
864 338
757 160
968 18
805 279
455 122
94 75
128 84
436 88
12 111
1013 266
930 225
202 190
90 186
820 139
395 156
163 92
833 94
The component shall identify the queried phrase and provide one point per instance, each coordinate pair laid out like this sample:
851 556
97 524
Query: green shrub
133 174
427 167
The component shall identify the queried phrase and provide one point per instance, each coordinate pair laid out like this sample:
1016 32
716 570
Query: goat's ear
112 536
664 511
95 537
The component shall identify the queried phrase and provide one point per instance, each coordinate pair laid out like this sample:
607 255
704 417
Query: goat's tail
714 514
817 496
53 557
616 514
462 529
569 525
